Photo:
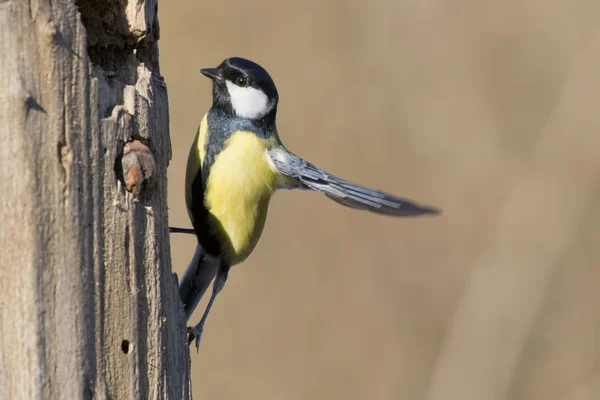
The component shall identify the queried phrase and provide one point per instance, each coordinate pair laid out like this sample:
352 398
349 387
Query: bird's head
243 88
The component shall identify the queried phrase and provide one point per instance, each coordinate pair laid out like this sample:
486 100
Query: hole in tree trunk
125 346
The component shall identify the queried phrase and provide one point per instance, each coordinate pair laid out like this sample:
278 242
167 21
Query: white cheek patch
248 102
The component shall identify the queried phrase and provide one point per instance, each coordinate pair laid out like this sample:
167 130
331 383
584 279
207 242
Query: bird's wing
346 193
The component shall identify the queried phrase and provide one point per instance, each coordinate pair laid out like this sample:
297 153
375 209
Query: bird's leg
219 283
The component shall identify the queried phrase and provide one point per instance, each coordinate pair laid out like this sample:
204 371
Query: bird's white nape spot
248 102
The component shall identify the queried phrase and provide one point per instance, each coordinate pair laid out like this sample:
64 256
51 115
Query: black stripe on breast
200 217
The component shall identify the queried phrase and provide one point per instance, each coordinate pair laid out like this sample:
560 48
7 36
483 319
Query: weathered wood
88 305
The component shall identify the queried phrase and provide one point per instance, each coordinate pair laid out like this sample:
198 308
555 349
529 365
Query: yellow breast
238 191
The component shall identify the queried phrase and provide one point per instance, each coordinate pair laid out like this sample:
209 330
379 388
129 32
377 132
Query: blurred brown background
487 109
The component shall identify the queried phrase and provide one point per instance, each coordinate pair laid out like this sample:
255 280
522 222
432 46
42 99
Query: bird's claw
194 335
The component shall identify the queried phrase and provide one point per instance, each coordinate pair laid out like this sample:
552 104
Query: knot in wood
139 167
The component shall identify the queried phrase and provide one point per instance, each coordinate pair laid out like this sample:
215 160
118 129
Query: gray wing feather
346 193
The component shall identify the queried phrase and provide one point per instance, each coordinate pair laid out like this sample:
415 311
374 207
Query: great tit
235 164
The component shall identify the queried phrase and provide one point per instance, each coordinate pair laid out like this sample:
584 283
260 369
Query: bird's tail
196 279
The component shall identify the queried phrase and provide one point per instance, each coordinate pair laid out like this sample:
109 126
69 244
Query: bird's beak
212 73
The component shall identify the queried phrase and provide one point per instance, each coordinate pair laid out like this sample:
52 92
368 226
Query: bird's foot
194 334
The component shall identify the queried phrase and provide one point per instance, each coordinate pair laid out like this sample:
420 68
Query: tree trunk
88 305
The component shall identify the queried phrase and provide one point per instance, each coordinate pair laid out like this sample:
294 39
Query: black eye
242 82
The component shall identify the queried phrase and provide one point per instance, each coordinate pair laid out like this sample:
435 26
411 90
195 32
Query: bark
88 305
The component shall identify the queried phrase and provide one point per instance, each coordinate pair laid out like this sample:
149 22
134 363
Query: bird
235 164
